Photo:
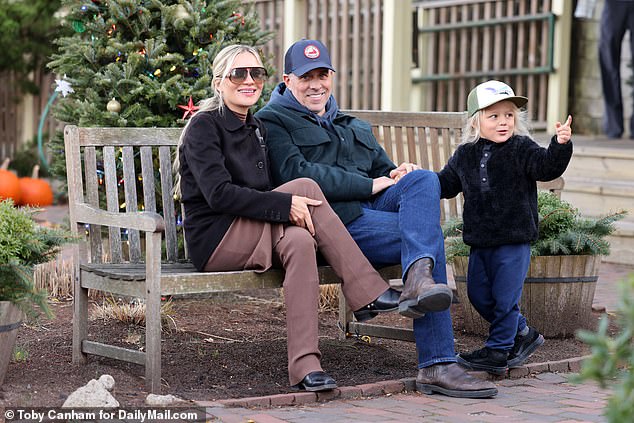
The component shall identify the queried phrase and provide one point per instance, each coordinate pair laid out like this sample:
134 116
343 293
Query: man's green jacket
342 163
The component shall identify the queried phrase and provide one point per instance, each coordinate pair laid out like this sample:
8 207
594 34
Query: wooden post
295 26
558 80
396 53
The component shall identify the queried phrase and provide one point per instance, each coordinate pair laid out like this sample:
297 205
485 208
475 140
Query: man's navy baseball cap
306 55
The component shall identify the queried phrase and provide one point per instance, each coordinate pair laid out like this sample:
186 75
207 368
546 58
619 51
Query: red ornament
190 109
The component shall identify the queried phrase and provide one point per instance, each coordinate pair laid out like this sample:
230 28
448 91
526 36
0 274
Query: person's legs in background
630 28
614 21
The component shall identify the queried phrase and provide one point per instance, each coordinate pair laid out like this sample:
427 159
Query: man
393 213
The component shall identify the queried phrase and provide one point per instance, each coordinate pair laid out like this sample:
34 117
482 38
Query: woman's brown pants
253 244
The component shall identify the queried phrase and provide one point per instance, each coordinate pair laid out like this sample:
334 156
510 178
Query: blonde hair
471 131
221 67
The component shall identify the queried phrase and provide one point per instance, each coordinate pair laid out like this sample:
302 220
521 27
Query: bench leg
80 316
345 315
153 314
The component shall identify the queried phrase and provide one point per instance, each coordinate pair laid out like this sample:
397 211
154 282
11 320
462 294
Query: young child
496 167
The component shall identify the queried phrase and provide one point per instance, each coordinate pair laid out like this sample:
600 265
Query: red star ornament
189 108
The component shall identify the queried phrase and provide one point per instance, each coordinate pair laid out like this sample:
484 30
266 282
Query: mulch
227 346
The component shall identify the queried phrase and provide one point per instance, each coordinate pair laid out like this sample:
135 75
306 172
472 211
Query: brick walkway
547 397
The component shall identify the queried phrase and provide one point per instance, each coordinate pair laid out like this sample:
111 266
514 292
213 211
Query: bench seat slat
182 278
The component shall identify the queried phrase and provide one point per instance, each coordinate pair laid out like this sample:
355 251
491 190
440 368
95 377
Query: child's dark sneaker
487 359
524 347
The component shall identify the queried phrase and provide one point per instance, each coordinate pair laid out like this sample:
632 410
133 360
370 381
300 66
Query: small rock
107 381
93 394
161 400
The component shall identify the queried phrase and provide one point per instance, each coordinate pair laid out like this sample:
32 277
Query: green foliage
20 354
23 244
612 358
26 31
562 231
150 55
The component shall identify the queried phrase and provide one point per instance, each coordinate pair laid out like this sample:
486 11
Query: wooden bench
119 186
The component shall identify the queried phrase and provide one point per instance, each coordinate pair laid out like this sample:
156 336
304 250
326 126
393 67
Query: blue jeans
495 279
402 225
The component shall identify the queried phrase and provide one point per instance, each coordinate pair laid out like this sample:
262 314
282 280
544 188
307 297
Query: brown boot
421 294
450 379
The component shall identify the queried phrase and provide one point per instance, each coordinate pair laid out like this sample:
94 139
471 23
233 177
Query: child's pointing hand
564 132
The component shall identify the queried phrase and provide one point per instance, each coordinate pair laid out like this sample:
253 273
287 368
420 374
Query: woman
235 220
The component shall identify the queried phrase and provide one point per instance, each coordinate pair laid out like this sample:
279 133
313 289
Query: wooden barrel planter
10 321
556 299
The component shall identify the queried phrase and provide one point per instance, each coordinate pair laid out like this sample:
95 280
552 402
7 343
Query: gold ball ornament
113 106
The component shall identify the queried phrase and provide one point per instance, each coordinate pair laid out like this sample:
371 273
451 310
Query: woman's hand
564 132
300 214
381 183
402 170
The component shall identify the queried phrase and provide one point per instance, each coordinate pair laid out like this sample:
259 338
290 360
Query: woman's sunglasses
239 75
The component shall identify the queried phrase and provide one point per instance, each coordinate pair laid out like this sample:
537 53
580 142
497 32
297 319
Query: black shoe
388 301
315 381
524 346
487 359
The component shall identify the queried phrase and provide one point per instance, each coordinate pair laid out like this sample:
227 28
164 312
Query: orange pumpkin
35 191
9 185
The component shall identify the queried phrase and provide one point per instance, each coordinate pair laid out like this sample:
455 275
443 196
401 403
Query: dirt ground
229 346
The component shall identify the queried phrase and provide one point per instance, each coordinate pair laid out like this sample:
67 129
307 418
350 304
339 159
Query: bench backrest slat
165 166
92 198
131 204
112 201
147 176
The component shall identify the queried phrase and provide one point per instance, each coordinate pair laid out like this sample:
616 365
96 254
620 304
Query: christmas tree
143 63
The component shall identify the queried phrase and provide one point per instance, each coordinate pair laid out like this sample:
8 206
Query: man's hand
379 184
300 214
402 170
564 132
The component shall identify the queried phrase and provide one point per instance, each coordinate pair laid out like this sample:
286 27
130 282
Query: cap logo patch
311 51
498 91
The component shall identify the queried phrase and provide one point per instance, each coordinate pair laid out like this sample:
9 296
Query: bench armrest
143 221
